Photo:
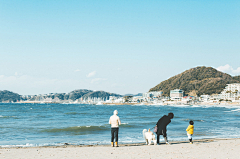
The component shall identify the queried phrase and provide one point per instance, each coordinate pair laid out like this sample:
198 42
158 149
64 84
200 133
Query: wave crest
78 130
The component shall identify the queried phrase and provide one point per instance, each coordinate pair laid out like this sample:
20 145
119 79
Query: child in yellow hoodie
190 131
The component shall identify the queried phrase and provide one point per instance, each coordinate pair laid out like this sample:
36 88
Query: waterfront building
176 94
115 99
186 99
205 98
56 100
231 92
152 94
48 100
215 97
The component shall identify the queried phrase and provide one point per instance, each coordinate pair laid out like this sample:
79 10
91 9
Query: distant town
200 85
229 95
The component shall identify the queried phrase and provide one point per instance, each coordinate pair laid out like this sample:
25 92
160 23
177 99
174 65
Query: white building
215 97
48 100
115 99
152 94
205 98
176 94
231 92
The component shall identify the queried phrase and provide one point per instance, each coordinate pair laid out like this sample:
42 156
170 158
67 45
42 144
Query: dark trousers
114 134
164 134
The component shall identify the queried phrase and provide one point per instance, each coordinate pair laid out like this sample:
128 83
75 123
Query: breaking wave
8 116
78 130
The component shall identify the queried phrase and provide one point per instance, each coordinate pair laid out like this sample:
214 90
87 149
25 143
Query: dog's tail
144 131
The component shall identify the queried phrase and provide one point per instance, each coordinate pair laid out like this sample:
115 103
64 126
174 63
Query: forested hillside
7 96
197 81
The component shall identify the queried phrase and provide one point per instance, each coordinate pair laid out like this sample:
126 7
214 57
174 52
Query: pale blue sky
115 46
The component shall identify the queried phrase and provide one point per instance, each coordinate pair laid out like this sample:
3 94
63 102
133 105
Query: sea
30 125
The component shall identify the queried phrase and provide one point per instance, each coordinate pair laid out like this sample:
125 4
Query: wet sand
200 149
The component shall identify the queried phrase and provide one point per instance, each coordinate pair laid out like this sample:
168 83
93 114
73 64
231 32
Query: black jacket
162 124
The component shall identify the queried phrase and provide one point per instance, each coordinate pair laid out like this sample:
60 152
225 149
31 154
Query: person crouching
162 127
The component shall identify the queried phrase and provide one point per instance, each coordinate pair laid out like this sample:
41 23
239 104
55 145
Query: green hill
100 94
82 93
236 78
7 96
197 81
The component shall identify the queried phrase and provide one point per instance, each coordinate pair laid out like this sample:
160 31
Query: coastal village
196 86
229 95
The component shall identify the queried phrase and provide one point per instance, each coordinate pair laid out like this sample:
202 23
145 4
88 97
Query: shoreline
163 104
220 148
66 145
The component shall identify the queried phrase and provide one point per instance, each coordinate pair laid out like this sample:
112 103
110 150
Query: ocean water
55 124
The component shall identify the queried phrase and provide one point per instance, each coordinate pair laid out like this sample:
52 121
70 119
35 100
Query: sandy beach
200 149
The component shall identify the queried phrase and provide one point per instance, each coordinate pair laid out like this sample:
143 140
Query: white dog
149 136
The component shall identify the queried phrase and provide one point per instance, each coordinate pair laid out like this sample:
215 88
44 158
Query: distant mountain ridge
83 93
97 94
197 81
8 96
134 95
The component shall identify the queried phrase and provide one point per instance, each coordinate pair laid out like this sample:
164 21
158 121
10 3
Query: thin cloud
237 71
91 74
229 69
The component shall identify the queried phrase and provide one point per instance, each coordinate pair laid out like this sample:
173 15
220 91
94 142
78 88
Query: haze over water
56 124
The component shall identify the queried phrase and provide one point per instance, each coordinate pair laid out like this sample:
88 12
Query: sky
121 47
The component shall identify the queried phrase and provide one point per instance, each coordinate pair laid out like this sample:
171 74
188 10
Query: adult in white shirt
115 122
